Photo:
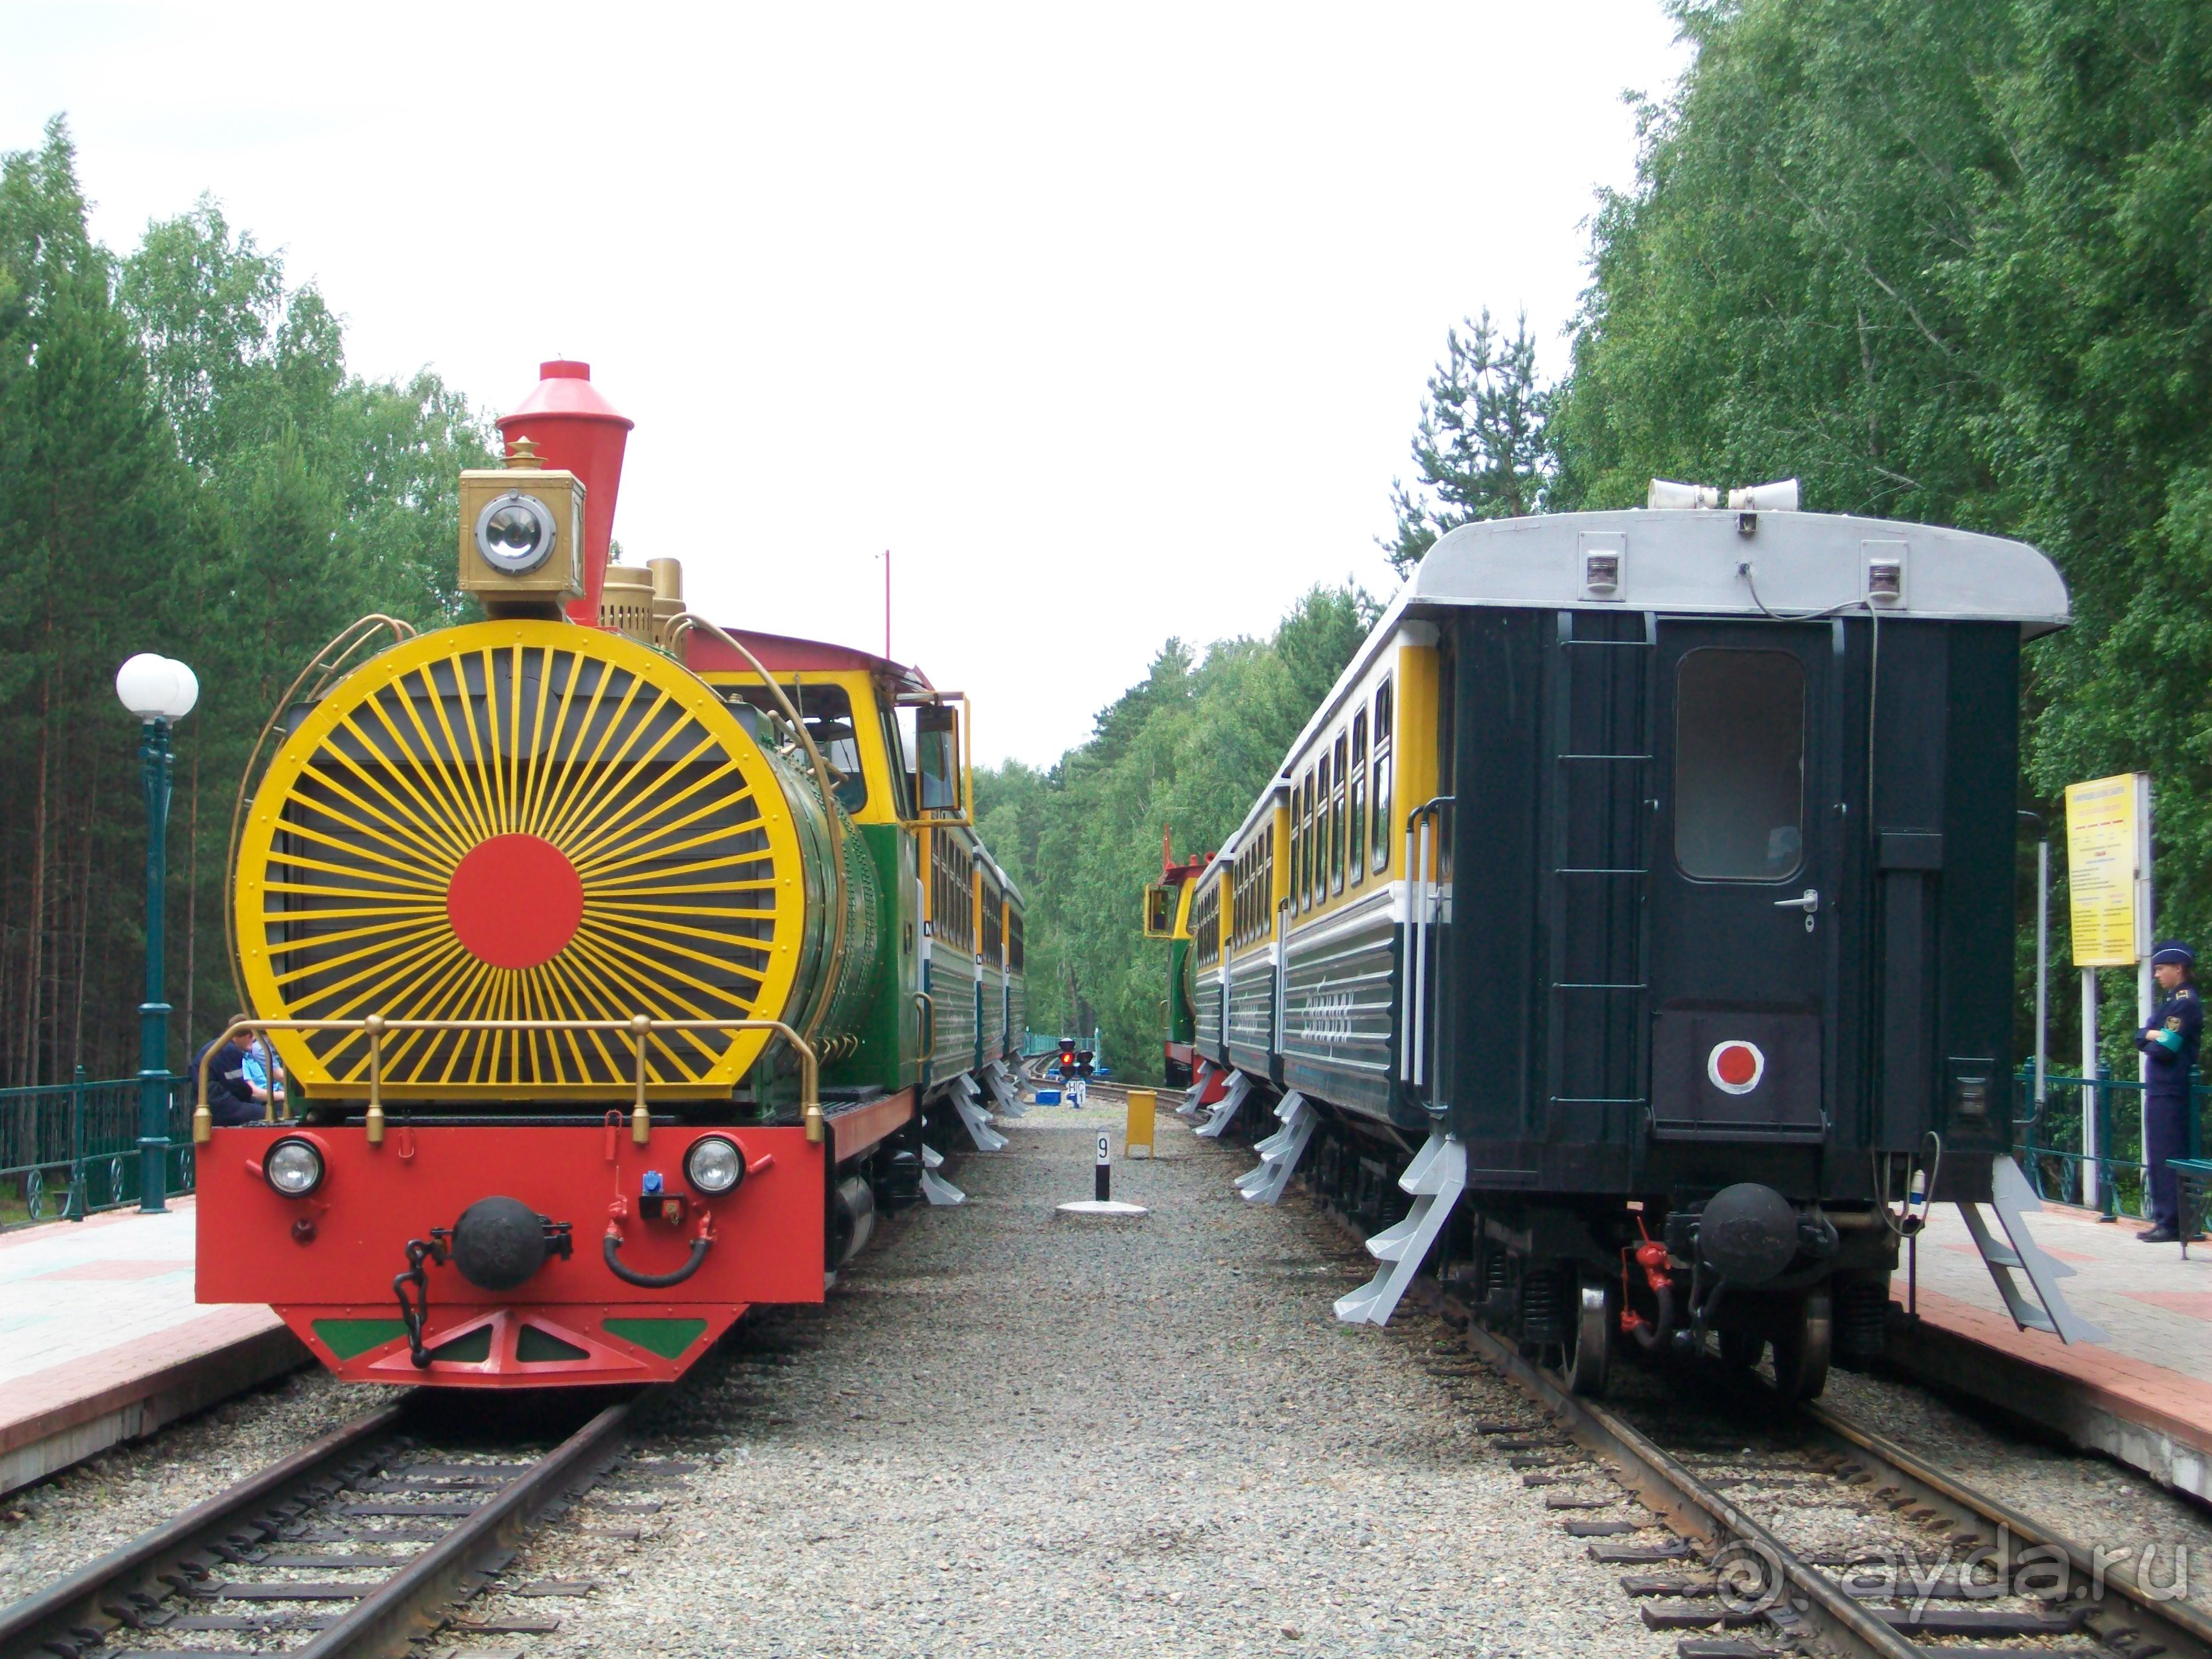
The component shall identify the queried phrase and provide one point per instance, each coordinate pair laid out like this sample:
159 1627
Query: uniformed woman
2169 1045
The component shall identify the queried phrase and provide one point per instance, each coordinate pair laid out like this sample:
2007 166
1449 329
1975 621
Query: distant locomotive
1167 917
1651 872
617 962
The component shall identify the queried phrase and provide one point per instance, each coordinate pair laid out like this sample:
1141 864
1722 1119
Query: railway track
1872 1550
358 1545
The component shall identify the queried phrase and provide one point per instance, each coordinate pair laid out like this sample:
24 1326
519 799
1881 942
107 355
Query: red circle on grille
1736 1064
514 901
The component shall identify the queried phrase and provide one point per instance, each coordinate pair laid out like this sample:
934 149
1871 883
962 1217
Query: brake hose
610 1247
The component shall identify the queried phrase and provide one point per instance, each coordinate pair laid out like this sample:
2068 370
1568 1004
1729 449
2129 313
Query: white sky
1111 322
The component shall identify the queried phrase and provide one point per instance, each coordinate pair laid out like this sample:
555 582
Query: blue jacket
2170 1041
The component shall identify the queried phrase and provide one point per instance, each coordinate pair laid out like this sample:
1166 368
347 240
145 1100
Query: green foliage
1187 749
1480 445
186 467
1945 263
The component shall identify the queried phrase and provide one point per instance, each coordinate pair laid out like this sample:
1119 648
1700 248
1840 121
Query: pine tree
1480 445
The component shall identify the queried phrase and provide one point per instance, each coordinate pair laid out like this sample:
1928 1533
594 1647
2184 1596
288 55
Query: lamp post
158 691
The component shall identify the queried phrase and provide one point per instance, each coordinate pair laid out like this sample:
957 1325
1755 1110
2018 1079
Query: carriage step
1436 1177
1225 1108
2038 1304
1201 1080
1281 1151
934 1187
1006 1093
968 1102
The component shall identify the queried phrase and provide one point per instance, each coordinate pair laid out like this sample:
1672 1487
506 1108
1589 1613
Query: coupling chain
413 1314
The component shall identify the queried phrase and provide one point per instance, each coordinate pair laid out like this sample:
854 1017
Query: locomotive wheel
1802 1348
1589 1351
1741 1349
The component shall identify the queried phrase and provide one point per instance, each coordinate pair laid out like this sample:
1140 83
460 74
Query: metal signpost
2108 864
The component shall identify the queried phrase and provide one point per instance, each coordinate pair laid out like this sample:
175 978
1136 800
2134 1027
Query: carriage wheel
1590 1340
1802 1348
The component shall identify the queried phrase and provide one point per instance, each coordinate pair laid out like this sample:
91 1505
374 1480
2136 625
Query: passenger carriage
1651 872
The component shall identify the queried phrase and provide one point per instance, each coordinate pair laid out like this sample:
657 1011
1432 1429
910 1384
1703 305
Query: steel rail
2134 1620
407 1605
2146 1622
1696 1510
77 1602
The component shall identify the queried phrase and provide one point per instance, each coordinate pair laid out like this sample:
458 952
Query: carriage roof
1712 561
1716 563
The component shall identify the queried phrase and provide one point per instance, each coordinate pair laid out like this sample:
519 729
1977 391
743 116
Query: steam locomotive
1629 930
622 965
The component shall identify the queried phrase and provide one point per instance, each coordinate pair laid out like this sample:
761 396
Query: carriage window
1320 830
1739 765
1304 871
1357 831
1336 823
1381 764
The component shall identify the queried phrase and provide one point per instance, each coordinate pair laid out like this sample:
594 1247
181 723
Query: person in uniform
2169 1044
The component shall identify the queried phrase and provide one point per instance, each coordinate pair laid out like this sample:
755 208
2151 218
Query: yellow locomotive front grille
520 820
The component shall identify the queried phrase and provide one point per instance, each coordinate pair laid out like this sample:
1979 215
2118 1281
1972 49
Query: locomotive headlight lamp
515 532
715 1165
293 1167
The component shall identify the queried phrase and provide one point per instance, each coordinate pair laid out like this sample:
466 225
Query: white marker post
1102 1205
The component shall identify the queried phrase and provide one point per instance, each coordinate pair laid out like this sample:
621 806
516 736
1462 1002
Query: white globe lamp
157 688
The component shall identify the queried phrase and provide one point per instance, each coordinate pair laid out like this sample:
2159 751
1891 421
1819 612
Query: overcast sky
1110 321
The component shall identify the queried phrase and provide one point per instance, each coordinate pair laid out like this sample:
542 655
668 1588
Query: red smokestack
575 429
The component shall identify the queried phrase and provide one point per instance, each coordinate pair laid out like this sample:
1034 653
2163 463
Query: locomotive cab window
828 712
1739 765
1159 911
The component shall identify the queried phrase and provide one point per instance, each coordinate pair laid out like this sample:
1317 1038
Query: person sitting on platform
2169 1044
230 1097
264 1073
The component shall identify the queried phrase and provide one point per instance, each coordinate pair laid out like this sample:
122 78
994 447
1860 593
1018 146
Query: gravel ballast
1010 1434
55 1526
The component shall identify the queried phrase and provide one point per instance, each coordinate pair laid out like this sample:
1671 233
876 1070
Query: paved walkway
2154 1307
101 1339
2142 1396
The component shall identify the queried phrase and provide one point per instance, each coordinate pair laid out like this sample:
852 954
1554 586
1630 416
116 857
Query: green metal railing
70 1150
2049 1142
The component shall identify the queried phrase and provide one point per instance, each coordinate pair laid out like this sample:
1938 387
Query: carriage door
1743 881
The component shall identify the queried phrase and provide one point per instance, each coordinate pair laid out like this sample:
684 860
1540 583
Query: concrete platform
2143 1398
100 1340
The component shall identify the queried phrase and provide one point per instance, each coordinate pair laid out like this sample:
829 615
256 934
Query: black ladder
1597 835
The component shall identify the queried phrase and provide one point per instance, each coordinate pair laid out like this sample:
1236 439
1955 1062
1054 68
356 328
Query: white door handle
1809 903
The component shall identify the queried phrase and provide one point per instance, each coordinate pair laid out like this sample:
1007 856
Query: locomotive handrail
831 809
330 659
376 1027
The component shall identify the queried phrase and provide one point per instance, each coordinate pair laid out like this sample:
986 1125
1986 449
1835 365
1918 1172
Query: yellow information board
2106 823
